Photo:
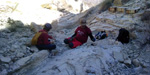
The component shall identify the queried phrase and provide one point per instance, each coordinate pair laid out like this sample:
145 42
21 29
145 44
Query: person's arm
45 39
73 35
116 39
50 37
92 38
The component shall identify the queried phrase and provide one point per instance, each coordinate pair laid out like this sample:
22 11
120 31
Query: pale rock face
32 59
76 6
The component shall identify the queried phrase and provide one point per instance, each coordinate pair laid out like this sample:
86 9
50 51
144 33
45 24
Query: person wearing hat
44 39
80 36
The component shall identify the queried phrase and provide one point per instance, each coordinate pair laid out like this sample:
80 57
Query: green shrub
13 25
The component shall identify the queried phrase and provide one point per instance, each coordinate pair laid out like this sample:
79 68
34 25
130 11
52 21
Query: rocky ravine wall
105 57
15 20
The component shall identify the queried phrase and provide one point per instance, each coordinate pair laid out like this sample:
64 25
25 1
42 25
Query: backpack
101 35
35 38
123 36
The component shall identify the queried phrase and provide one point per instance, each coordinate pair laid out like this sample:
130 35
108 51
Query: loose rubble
103 57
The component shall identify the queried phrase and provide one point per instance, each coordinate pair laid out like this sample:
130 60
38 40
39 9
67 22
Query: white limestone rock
20 55
127 62
136 62
118 56
5 59
33 59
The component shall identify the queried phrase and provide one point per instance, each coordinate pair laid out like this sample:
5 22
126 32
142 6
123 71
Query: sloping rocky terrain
103 57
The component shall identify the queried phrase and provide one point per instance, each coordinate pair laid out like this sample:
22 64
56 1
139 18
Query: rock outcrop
103 57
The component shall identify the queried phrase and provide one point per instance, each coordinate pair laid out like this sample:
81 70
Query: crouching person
43 39
80 36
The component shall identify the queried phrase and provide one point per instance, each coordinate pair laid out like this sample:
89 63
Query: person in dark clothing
80 36
123 36
44 41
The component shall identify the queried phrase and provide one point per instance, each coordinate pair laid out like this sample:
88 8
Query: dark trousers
49 46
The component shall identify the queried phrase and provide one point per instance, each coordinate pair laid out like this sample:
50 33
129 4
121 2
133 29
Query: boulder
5 59
35 27
127 62
112 9
133 35
18 23
19 55
118 56
34 49
121 9
136 62
132 10
30 62
28 41
125 56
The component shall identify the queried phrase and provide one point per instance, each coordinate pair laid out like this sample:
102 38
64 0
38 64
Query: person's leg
49 46
52 46
39 47
74 43
71 45
67 40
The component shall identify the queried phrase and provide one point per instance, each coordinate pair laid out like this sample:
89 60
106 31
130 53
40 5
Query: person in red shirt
44 39
80 36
